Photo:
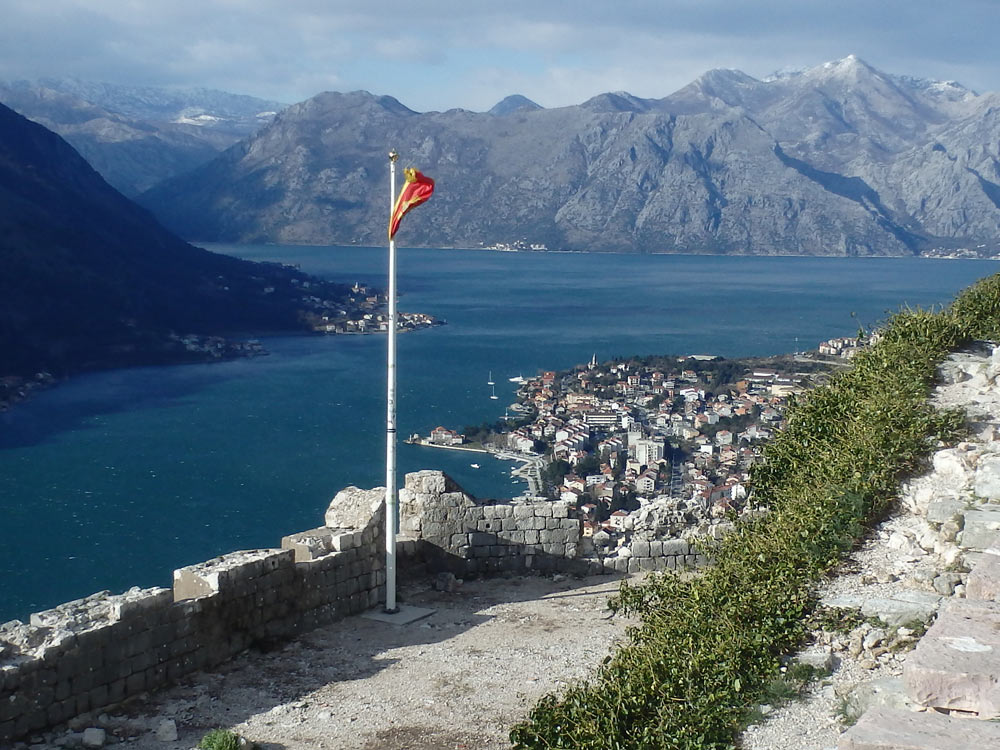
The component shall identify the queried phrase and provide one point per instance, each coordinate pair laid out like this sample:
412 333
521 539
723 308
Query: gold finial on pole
393 155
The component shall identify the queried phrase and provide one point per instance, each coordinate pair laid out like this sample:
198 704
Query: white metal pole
391 493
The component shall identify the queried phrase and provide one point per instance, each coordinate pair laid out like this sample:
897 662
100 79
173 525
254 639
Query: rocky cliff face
838 160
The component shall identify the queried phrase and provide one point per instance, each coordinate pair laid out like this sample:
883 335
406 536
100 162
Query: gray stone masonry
94 652
466 537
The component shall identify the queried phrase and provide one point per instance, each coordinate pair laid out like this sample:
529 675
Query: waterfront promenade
530 470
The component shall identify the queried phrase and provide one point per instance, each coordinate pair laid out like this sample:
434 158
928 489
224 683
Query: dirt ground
459 678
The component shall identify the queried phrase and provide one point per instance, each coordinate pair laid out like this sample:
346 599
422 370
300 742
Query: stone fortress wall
95 652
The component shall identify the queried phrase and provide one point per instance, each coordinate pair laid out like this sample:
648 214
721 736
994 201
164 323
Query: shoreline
427 444
634 252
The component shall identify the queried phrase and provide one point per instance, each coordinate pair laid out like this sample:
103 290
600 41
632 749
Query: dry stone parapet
94 652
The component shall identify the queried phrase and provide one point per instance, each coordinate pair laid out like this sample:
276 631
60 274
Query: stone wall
97 651
447 529
442 526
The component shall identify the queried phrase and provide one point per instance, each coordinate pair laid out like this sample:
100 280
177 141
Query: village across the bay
664 442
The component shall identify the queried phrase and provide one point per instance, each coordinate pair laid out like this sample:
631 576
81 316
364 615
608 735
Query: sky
442 54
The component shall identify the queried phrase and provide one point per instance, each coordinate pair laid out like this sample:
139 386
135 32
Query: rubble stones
166 731
93 737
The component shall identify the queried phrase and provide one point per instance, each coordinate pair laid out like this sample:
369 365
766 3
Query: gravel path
904 556
456 679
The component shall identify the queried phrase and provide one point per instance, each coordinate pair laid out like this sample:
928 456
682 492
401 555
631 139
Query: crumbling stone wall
97 651
449 530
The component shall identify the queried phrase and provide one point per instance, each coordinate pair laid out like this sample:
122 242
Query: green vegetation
706 649
224 739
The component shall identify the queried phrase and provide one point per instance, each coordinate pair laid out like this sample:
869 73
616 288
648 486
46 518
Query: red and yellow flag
417 189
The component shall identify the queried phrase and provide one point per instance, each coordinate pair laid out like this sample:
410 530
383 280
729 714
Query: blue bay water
114 479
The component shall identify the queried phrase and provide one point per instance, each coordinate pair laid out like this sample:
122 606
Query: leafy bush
706 650
223 739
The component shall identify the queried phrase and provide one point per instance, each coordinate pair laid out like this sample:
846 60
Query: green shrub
706 650
223 739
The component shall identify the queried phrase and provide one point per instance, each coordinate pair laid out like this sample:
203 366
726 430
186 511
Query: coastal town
362 311
666 442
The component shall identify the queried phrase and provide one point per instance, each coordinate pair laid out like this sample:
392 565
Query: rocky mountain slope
841 159
92 280
136 137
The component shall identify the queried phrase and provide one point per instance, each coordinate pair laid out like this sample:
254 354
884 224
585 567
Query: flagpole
391 491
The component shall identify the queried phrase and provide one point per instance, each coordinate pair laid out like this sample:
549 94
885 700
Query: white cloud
452 53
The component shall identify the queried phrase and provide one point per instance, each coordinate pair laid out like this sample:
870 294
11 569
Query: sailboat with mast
490 381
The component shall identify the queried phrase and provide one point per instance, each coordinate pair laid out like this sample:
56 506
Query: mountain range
91 280
134 136
839 159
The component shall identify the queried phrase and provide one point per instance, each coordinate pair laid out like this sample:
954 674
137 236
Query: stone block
341 541
982 522
901 609
640 549
956 665
560 510
433 530
675 547
59 712
140 602
221 574
426 481
93 737
986 482
309 545
898 729
983 582
944 509
508 525
354 508
523 511
543 510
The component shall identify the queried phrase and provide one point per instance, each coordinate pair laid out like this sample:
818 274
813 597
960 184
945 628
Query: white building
647 451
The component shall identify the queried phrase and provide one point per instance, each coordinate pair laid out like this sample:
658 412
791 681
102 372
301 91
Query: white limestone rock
166 731
354 508
94 737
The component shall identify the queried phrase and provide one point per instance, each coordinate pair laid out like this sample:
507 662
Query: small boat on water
474 466
490 381
517 379
494 395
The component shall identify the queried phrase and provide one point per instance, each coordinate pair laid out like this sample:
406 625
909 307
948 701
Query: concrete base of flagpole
404 614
